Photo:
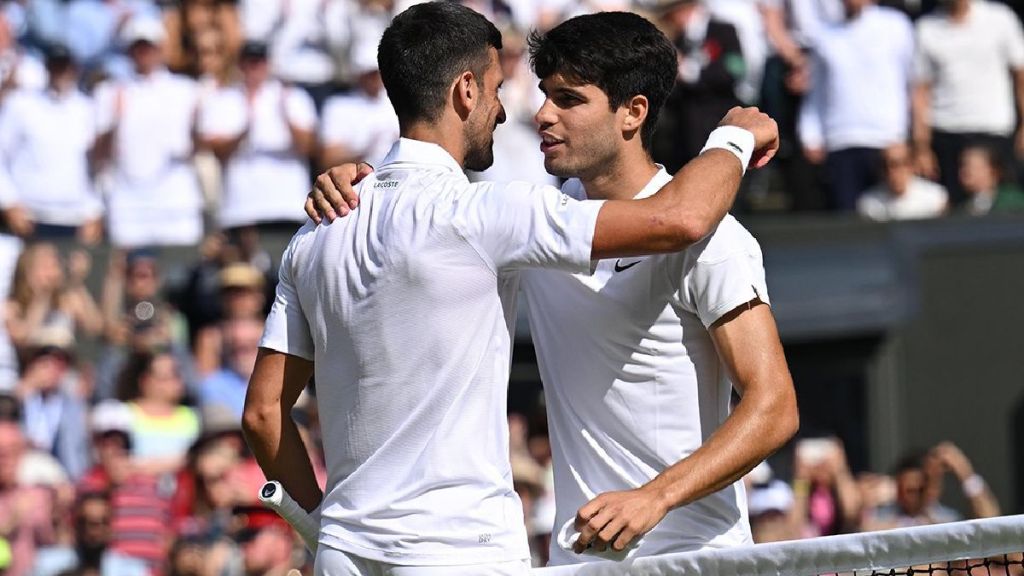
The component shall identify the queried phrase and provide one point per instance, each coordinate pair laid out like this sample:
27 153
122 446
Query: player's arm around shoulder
691 205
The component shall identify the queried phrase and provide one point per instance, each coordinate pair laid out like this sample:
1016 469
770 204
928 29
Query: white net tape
869 552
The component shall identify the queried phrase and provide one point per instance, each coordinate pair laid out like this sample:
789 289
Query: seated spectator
266 540
44 298
901 195
162 427
46 137
263 133
947 458
227 386
981 177
84 552
53 405
360 126
825 494
140 502
241 292
770 508
26 512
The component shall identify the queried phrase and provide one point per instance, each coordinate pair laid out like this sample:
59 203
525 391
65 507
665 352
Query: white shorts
331 562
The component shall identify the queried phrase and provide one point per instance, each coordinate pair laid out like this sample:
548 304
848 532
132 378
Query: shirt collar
408 151
659 180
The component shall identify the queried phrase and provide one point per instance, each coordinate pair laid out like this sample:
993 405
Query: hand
814 154
618 518
761 125
333 192
954 460
91 232
19 221
925 163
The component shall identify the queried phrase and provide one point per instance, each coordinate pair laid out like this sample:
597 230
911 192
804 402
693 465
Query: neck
958 10
451 140
627 175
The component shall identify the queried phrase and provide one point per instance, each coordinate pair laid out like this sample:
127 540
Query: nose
501 113
545 115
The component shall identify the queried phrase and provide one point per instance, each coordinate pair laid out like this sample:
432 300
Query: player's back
406 309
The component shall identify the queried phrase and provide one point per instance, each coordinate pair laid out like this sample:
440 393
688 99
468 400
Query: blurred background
155 155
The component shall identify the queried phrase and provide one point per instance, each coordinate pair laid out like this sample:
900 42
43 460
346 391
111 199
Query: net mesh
989 547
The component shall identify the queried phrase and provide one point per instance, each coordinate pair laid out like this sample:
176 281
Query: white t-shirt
264 180
154 195
923 199
407 309
365 126
632 380
45 140
969 66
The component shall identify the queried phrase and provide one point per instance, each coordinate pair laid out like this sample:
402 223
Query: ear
636 109
465 94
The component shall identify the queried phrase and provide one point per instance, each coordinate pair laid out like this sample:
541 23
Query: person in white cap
146 127
263 132
360 125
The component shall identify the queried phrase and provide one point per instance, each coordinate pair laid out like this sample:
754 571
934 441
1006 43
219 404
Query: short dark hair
425 48
623 54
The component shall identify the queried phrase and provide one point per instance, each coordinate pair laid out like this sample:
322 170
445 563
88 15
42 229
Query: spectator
140 501
26 512
241 292
46 138
227 386
44 299
146 126
825 494
90 522
901 195
17 68
981 177
191 22
911 505
970 56
162 427
710 68
266 540
947 458
263 133
360 126
859 98
54 411
770 506
91 29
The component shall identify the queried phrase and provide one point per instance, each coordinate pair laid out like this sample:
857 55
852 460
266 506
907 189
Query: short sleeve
221 115
287 330
521 225
300 109
728 273
1014 40
924 67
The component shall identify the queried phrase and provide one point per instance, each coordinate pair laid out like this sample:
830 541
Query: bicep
748 344
277 380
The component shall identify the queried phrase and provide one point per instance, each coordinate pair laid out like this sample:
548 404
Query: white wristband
732 139
973 486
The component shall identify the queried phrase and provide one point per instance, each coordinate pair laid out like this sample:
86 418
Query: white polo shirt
154 196
264 180
860 93
632 380
968 65
45 139
365 126
407 309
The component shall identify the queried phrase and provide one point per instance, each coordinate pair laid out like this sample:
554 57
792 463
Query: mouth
549 143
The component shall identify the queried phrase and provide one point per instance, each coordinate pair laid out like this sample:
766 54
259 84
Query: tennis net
989 547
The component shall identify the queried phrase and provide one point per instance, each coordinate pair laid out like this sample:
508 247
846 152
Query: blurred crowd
139 124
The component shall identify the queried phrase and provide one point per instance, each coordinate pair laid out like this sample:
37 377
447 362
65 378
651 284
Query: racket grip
307 524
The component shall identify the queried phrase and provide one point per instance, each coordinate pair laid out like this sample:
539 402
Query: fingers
609 534
590 529
310 209
343 178
363 169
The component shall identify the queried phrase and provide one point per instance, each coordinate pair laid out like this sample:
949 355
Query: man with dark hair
643 443
415 295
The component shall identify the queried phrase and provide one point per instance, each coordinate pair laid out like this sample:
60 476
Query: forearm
224 147
750 434
303 141
921 107
275 442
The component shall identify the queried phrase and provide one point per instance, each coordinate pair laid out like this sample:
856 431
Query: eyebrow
563 90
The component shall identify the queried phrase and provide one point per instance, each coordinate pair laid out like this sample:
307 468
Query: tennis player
644 421
404 311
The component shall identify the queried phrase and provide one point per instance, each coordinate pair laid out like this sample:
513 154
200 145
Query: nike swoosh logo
735 147
620 268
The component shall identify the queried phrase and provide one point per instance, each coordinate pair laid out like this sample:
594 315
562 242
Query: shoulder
728 239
